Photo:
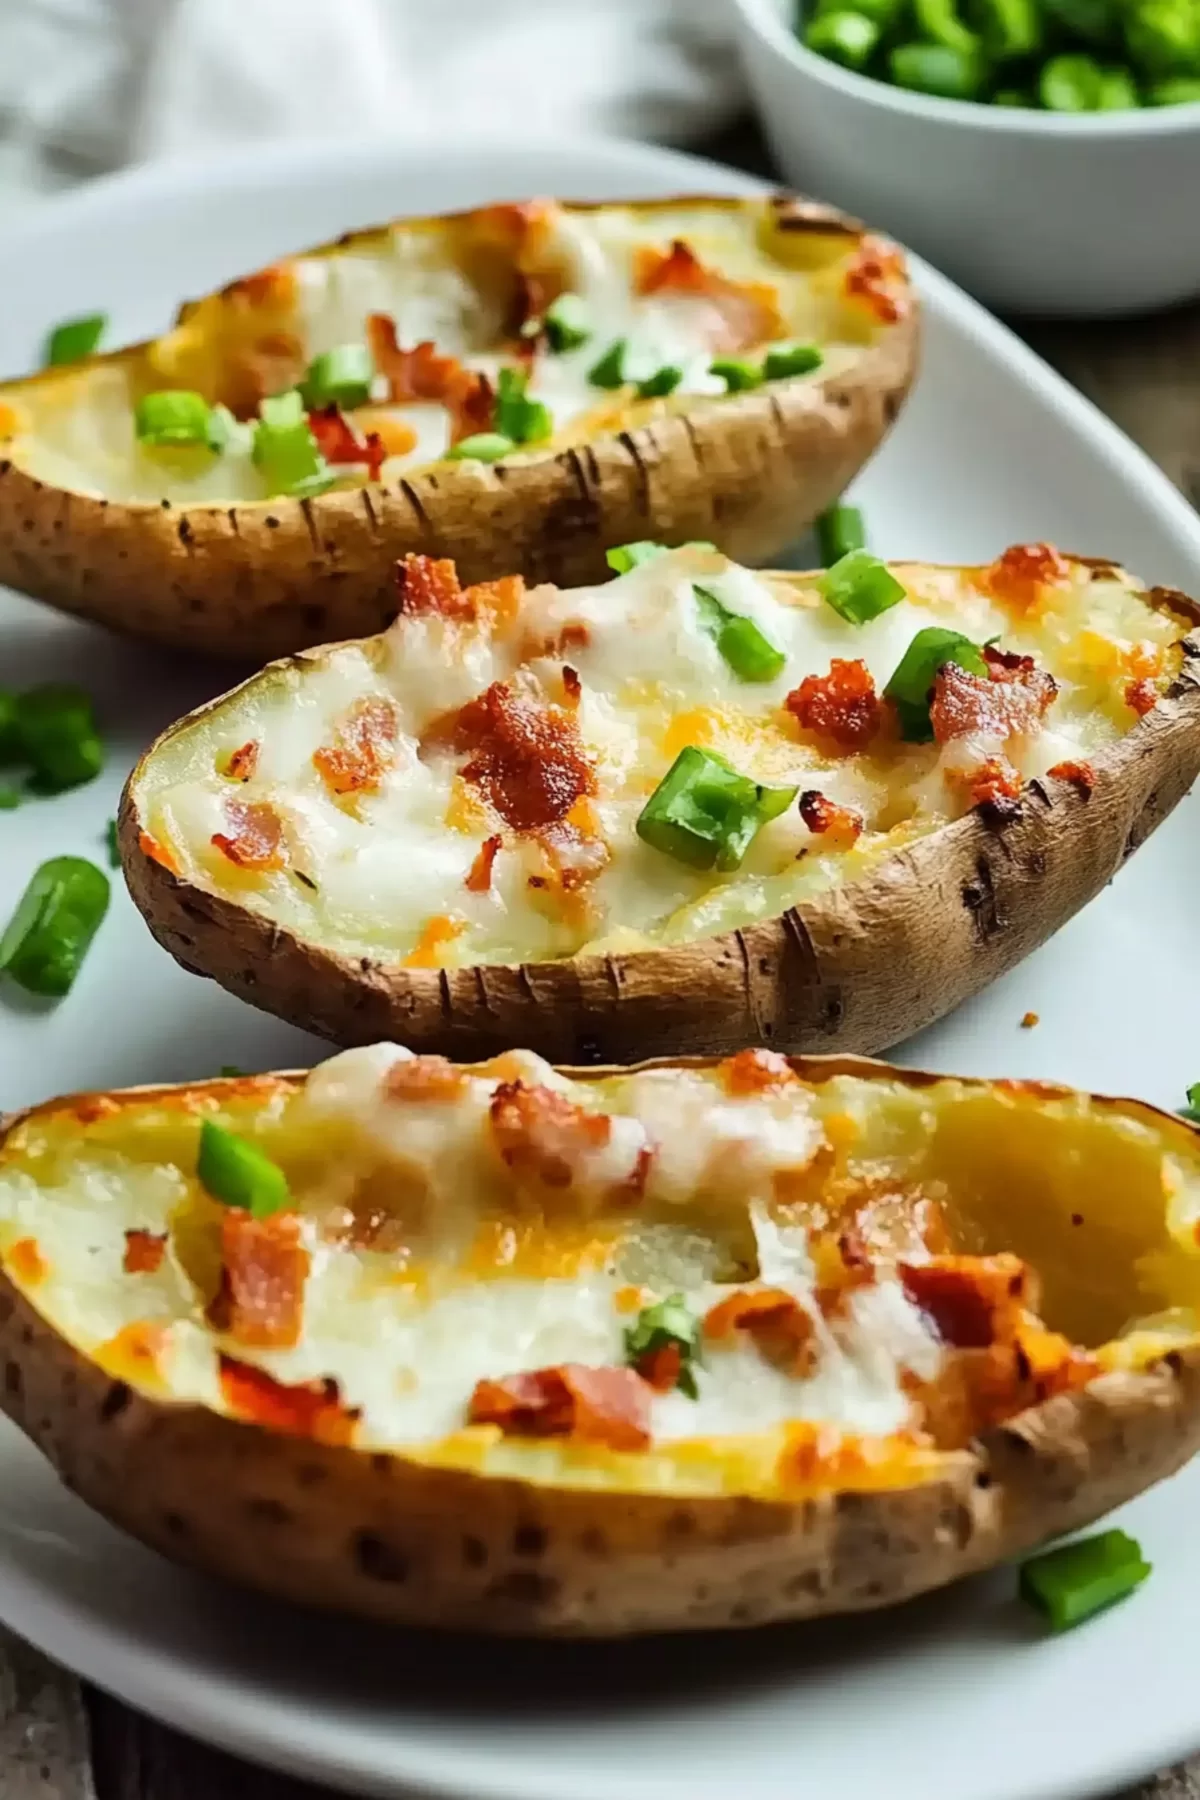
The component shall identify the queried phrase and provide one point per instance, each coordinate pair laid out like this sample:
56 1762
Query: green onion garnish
791 359
703 813
174 417
1070 1584
839 531
860 587
1192 1109
737 372
74 339
285 449
58 915
623 557
663 381
110 838
747 649
485 446
566 323
57 737
235 1172
609 372
518 417
667 1325
340 377
844 37
911 687
227 433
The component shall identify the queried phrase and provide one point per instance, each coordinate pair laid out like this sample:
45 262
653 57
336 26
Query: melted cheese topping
74 428
385 873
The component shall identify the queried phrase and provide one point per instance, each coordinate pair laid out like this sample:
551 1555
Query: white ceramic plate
955 1698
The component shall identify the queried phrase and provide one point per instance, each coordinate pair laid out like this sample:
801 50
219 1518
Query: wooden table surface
58 1742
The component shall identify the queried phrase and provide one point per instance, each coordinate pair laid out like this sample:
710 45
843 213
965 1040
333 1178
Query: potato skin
857 969
251 582
380 1536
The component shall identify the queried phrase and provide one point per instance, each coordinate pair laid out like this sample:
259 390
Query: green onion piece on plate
737 372
173 417
791 359
844 37
285 449
860 587
623 557
746 648
237 1173
609 372
839 531
566 323
667 1325
56 729
340 377
703 813
1078 1580
74 339
911 686
663 381
1192 1109
44 944
940 69
484 446
518 417
1070 84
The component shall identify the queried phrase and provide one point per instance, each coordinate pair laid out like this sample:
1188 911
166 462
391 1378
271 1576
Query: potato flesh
490 1276
387 862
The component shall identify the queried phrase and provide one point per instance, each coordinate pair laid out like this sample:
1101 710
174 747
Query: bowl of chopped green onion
1041 152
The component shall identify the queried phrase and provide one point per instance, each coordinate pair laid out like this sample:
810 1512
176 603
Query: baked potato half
689 809
528 384
682 1346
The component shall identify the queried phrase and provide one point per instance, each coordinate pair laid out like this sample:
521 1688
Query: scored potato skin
856 969
747 471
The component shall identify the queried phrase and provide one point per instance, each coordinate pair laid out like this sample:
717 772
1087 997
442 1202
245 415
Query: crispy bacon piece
745 313
842 824
527 760
479 875
242 762
1142 696
363 747
272 364
1019 576
1000 704
274 286
994 783
425 1078
594 1406
264 1268
255 836
311 1409
875 276
972 1300
26 1262
571 854
842 706
781 1329
429 585
660 1368
572 686
144 1251
757 1072
541 1134
498 601
1080 774
422 374
338 444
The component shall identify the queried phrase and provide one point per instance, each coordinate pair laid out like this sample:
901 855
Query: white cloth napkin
91 85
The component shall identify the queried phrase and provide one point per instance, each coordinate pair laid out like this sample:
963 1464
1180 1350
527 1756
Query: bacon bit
843 1265
274 286
426 584
436 934
593 1406
529 761
533 295
26 1262
311 1409
255 836
396 437
264 1267
994 783
1019 576
241 763
541 1134
822 816
94 1107
1079 774
363 748
842 706
514 223
479 875
1000 704
271 365
746 312
1142 697
757 1072
425 1078
497 601
1029 1020
338 443
876 277
973 1301
781 1329
572 686
660 1368
422 374
158 853
144 1251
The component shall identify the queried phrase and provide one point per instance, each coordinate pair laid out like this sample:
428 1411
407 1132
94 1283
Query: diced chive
1117 91
1162 38
944 70
1192 1109
705 814
285 449
843 37
938 22
1076 1581
74 339
1010 29
57 736
839 531
663 381
746 648
518 417
791 359
47 938
609 372
667 1325
1070 84
10 798
623 557
484 446
737 372
227 433
237 1173
341 377
566 323
911 686
859 587
1183 90
173 417
110 838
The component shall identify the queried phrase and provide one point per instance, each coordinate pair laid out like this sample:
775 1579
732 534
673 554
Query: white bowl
1083 215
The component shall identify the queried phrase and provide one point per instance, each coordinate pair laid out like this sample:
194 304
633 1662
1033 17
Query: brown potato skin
382 1537
854 970
250 582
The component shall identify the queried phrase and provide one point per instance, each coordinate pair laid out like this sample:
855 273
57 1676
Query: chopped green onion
737 372
791 359
1183 91
485 446
667 1325
175 416
860 587
1010 29
1117 91
74 339
939 69
663 381
1070 84
705 814
883 13
566 323
1192 1109
10 739
56 728
47 938
911 686
340 377
609 372
1162 38
938 22
236 1172
839 531
1092 21
110 838
623 557
285 449
227 433
1012 97
518 417
748 650
10 798
843 37
1078 1580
